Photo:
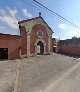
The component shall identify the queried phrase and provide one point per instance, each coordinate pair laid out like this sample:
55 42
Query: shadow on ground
76 57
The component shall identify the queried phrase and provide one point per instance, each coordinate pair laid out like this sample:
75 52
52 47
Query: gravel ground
36 73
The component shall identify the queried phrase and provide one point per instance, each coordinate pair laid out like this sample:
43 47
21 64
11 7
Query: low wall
74 50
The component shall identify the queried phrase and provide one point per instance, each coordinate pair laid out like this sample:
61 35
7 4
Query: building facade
9 46
35 39
70 46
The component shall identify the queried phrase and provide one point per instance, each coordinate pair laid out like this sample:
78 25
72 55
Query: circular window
40 34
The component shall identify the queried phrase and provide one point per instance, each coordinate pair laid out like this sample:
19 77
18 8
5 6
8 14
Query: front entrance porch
40 48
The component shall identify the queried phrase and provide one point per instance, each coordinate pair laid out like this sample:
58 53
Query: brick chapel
35 39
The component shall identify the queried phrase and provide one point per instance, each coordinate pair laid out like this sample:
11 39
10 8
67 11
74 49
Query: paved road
70 84
7 75
38 74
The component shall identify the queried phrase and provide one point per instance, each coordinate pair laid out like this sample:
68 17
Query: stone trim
49 44
36 45
30 24
28 44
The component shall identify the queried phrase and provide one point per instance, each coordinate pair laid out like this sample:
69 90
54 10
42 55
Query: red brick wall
34 37
12 43
75 50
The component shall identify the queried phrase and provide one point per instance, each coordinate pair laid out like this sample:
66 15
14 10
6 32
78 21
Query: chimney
39 14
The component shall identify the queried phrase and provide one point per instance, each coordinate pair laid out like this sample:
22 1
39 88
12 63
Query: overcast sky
11 11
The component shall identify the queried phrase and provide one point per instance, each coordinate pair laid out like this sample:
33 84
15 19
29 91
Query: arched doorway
40 48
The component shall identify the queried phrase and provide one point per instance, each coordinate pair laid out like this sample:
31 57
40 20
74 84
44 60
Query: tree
74 37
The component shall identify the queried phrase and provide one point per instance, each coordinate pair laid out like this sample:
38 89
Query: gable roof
23 21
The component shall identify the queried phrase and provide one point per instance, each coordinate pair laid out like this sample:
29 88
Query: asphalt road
7 75
39 73
47 73
70 84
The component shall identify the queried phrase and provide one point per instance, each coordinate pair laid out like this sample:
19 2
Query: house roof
23 21
74 41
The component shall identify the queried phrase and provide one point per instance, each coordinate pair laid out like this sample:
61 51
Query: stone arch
44 44
40 48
